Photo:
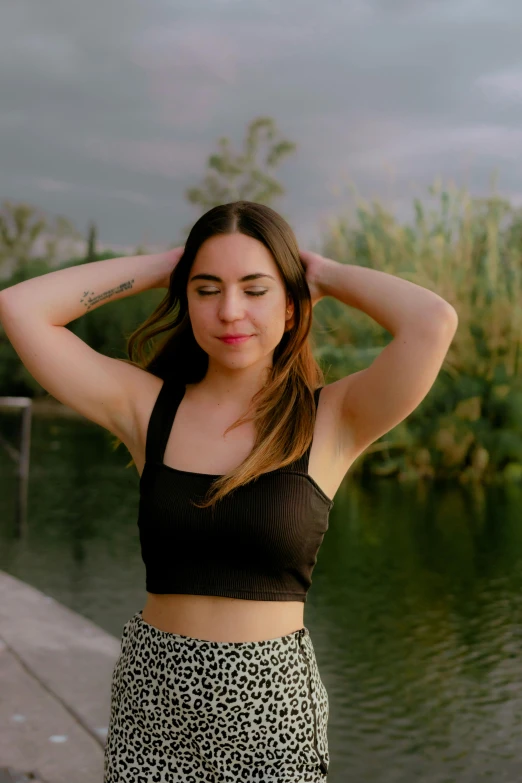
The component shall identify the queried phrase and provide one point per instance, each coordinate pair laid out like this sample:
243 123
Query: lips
232 340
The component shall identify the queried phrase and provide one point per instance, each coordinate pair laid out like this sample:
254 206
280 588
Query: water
414 610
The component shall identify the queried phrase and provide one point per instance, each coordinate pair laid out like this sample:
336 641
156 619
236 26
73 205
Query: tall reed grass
468 250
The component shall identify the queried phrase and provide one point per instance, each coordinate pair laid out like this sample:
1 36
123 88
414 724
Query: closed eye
250 293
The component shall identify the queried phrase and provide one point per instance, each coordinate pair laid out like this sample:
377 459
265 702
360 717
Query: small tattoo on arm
90 299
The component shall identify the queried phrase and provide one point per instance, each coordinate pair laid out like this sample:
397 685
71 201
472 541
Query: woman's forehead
232 256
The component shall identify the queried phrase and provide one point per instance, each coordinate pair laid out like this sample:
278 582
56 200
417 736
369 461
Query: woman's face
221 301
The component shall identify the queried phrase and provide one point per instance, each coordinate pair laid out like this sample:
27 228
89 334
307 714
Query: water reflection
414 610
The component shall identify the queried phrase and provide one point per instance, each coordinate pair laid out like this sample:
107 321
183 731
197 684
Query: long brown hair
283 411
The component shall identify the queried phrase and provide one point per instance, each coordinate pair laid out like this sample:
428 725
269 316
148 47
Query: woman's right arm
34 314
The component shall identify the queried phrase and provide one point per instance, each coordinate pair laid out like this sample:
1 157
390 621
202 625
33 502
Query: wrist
322 274
166 262
159 264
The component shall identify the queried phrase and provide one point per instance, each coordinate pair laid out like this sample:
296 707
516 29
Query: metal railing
20 455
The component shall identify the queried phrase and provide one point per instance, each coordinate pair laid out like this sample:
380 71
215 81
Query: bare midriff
220 619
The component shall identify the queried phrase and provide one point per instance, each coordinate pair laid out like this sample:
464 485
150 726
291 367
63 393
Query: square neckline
183 387
163 415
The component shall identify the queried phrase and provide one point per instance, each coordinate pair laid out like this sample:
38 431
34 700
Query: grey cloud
109 110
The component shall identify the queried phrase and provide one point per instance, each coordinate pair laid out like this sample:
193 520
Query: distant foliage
247 175
27 232
468 250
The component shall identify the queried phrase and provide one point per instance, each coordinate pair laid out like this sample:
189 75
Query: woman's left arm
369 403
391 301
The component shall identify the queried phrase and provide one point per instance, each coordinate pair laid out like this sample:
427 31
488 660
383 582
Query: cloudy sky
109 109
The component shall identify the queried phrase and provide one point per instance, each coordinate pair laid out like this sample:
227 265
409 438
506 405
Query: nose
231 308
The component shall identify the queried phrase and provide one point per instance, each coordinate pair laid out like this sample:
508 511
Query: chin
238 364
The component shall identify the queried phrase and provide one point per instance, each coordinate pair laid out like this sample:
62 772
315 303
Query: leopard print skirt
191 710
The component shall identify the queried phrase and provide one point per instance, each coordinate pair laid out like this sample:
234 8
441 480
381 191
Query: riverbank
55 669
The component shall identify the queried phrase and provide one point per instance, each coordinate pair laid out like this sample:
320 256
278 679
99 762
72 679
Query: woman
240 449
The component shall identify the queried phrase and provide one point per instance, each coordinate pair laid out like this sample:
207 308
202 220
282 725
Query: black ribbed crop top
261 542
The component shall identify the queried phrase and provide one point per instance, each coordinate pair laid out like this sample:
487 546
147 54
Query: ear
289 313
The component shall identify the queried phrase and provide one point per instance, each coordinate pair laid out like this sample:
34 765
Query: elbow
2 302
438 319
4 299
442 312
449 315
8 296
443 320
9 307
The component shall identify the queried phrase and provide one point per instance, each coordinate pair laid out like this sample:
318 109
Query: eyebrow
216 279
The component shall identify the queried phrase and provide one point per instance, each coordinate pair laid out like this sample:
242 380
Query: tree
91 243
26 233
234 177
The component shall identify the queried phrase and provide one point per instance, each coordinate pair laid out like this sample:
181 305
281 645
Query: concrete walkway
55 676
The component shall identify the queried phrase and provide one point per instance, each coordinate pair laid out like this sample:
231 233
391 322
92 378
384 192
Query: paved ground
10 776
55 673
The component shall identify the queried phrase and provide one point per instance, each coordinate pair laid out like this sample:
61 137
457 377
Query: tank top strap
162 418
317 392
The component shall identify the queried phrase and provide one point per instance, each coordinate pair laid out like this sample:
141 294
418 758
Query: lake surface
414 612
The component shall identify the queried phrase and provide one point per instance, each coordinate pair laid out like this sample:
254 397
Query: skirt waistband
138 621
